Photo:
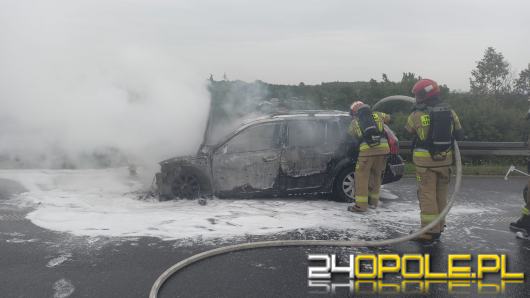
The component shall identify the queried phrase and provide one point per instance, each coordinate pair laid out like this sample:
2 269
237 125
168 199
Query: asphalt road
35 262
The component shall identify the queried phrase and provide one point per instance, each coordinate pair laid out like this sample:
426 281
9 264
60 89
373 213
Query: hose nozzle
511 169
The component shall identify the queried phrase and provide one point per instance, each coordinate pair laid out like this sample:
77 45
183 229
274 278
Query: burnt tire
344 186
185 186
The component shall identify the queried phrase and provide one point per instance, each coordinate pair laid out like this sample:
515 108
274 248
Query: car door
308 153
249 162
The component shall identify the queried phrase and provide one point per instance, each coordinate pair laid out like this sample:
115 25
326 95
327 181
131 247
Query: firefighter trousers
433 185
368 176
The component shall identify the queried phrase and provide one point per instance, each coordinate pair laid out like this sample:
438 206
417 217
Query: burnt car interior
312 146
250 161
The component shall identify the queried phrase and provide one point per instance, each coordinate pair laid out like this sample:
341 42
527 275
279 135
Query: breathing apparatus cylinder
369 128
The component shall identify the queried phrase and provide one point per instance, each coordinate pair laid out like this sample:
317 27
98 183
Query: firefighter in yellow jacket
522 225
368 129
435 127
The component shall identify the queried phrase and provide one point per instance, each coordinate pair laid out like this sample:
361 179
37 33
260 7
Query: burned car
304 152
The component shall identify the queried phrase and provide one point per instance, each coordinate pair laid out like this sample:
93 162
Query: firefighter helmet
356 106
425 89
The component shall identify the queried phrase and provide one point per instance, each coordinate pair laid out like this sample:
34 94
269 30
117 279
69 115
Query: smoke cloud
82 78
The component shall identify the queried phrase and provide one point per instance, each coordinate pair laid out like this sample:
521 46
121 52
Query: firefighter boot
428 237
521 225
356 208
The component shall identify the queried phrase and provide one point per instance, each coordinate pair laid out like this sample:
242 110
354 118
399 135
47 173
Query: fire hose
338 243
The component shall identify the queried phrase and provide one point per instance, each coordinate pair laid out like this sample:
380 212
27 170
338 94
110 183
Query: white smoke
78 77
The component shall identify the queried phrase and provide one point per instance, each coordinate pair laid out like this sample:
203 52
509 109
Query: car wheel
186 186
344 188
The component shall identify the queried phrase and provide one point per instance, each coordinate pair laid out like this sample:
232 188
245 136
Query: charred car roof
292 115
276 117
271 118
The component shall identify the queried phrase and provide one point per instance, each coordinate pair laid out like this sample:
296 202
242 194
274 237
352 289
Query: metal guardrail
471 148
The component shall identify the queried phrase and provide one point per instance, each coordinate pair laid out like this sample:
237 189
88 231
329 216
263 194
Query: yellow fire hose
339 243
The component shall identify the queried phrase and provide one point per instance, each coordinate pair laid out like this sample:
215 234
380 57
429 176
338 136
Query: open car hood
188 159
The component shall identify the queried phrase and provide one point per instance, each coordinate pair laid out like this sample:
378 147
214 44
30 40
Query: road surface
38 262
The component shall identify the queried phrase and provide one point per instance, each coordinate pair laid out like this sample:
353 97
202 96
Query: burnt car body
304 152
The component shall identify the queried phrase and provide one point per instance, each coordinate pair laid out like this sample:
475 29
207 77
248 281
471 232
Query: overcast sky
285 41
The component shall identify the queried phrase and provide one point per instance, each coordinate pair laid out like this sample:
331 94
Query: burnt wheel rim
348 185
186 187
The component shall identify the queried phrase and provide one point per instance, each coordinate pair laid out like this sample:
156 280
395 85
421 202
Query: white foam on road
59 260
102 203
63 288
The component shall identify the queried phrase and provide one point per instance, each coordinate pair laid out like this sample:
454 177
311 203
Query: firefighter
367 128
523 223
435 127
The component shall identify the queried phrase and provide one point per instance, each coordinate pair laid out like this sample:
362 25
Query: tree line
494 109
